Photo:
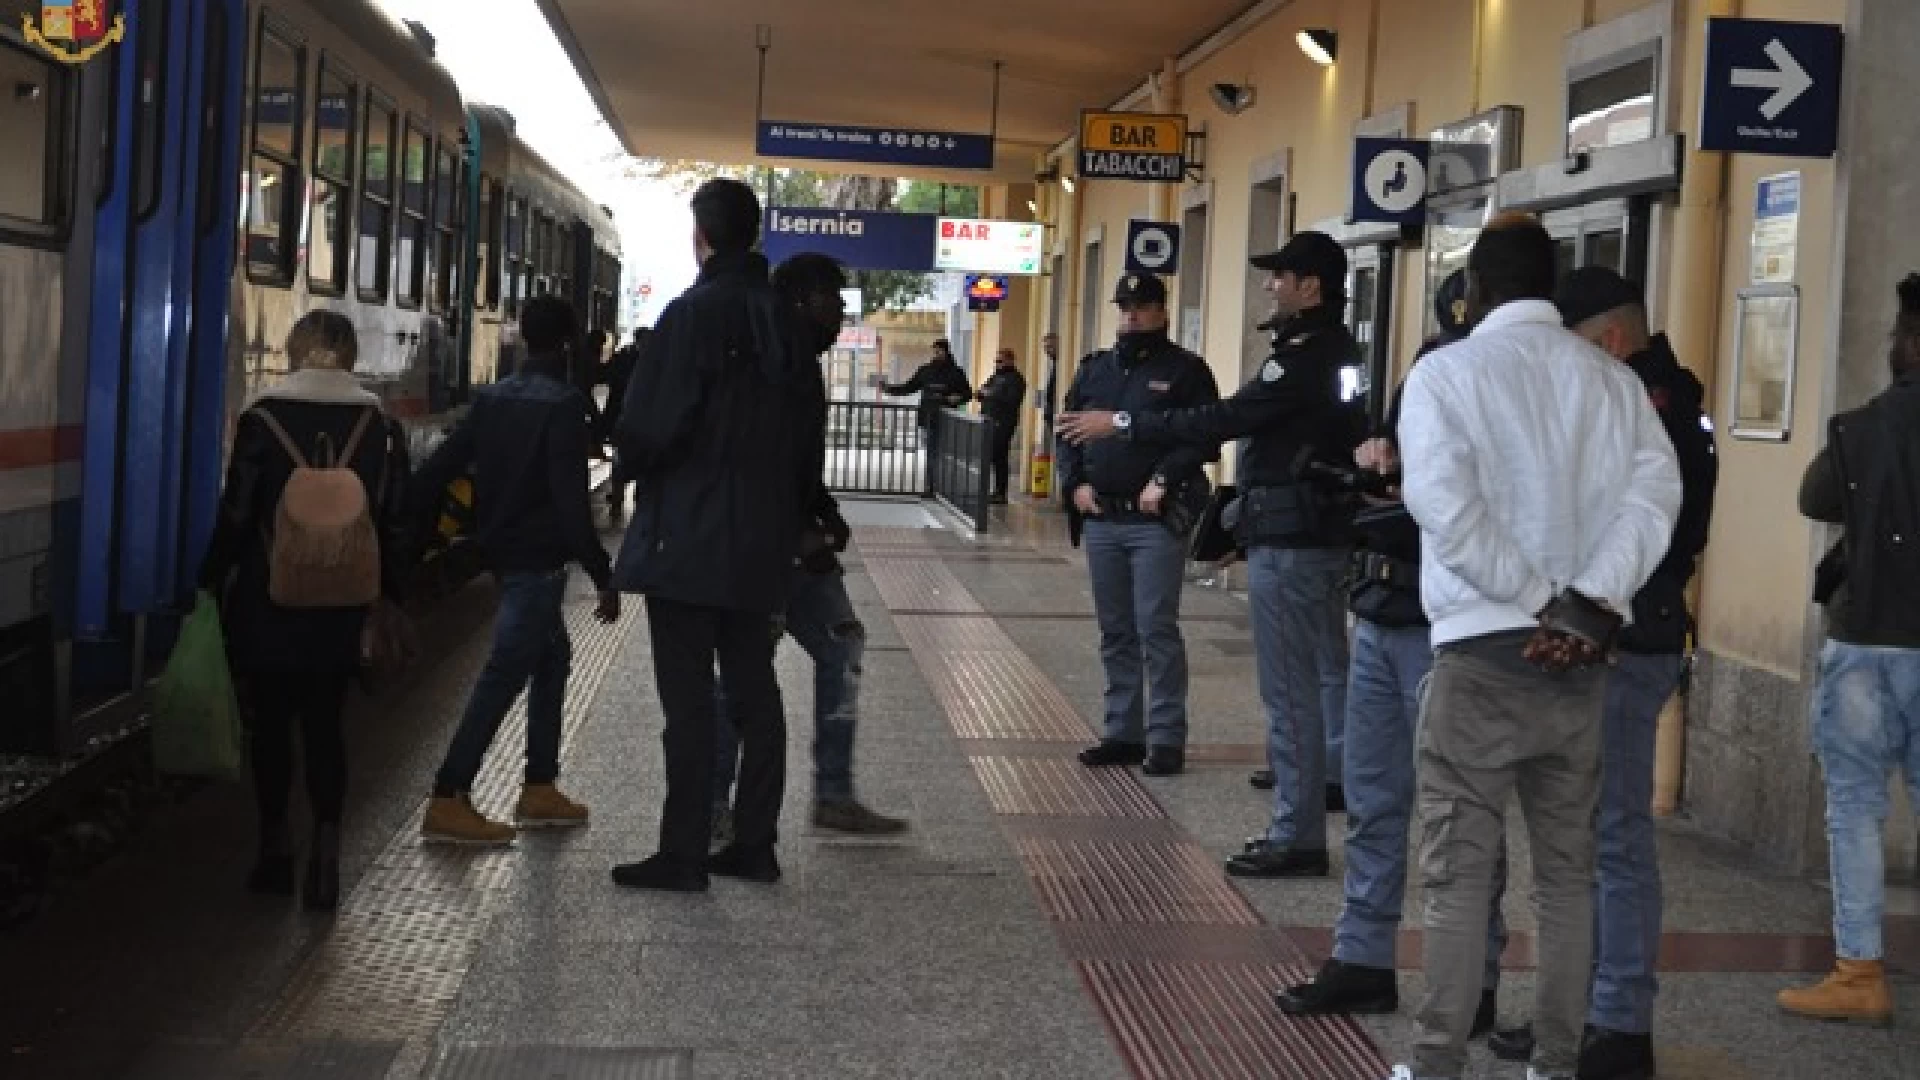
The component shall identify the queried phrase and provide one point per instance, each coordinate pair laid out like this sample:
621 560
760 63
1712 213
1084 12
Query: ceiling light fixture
1320 44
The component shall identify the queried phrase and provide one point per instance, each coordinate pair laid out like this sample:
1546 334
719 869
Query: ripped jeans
821 618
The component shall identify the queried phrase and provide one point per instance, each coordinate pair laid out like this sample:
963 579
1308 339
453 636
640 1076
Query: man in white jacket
1546 492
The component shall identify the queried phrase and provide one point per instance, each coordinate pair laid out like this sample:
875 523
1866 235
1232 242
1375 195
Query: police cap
1592 291
1450 304
1309 254
1140 289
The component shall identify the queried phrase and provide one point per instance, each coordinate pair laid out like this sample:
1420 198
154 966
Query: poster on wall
1765 359
1776 230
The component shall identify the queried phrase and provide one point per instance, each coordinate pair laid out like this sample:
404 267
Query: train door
157 352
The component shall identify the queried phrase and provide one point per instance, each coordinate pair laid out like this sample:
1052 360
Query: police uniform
1392 654
1136 561
1297 540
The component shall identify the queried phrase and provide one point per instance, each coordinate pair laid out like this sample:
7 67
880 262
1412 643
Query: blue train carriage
537 234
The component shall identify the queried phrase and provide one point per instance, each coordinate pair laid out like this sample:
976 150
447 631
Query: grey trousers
1492 726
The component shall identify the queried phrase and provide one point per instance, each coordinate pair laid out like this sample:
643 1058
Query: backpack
323 550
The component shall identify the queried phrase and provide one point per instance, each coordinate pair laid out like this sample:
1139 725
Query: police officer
1392 653
1295 532
1130 496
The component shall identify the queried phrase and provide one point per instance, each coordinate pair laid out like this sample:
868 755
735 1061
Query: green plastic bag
196 715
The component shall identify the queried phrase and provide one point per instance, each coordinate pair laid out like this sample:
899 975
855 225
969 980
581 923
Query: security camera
1232 98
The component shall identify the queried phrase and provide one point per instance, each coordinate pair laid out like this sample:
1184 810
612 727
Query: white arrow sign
1788 80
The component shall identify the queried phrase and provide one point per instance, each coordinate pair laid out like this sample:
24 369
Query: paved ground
1038 922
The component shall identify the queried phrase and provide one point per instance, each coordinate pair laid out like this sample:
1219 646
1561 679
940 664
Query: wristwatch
1122 421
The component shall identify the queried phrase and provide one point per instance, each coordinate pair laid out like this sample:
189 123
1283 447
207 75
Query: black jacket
1289 410
526 440
709 431
941 385
1145 374
1660 623
263 637
819 511
1868 479
1002 396
618 376
1384 586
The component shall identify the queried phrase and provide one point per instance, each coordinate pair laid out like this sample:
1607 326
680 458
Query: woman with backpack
307 540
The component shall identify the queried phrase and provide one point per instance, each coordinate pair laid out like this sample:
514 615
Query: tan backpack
323 551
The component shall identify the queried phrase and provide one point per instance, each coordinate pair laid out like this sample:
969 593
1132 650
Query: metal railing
879 448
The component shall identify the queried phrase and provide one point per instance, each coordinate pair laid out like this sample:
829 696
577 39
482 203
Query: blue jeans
531 652
1866 724
1390 666
1138 570
1300 634
1626 907
821 618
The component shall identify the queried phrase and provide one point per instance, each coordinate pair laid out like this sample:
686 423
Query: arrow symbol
1788 80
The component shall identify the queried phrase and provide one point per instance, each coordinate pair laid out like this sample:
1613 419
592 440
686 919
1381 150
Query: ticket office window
1369 319
1453 226
1612 234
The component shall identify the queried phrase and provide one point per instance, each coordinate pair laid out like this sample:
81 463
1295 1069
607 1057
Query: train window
412 252
335 122
486 252
274 181
35 123
215 108
376 198
152 67
515 244
446 211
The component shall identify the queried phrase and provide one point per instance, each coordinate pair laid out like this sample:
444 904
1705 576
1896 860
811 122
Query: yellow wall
1426 56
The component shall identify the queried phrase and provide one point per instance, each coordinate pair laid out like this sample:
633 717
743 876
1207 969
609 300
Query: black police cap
1450 304
1592 291
1140 289
1309 254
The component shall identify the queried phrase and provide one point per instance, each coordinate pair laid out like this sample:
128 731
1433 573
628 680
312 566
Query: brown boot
1856 991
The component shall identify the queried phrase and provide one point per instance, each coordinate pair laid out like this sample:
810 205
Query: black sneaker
1165 761
748 864
1343 988
1606 1054
1271 861
1512 1044
1110 754
1262 780
663 873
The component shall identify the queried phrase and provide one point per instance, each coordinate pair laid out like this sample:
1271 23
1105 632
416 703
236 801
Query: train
168 209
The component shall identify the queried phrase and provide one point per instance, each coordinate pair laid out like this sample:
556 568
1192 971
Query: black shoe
747 864
272 875
998 500
1512 1044
1342 988
1487 1016
1165 761
1336 799
1110 754
1269 861
663 873
1263 780
1606 1054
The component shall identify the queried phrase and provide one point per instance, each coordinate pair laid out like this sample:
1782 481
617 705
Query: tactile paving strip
1120 881
469 1062
992 695
1208 1021
1063 787
323 1060
920 585
955 633
404 939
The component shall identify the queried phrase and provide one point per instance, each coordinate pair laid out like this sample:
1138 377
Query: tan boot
543 804
453 820
1856 991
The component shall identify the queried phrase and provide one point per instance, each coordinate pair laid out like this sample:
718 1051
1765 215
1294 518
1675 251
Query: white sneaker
1405 1072
1536 1074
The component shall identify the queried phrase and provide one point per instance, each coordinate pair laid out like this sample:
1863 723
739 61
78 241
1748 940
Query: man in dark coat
708 430
619 376
940 382
1001 398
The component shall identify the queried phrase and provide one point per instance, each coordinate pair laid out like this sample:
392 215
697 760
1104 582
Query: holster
1281 514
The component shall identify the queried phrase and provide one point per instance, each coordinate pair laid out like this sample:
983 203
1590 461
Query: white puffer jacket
1533 463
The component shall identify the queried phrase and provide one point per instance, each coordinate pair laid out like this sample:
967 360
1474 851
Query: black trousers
1003 434
312 703
686 642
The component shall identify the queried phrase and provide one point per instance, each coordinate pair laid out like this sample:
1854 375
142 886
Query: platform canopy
678 79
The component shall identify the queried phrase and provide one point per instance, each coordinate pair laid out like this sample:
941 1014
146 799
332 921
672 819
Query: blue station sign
859 239
1772 88
875 146
1390 180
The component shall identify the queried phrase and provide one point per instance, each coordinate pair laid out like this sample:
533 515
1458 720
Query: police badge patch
1273 372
